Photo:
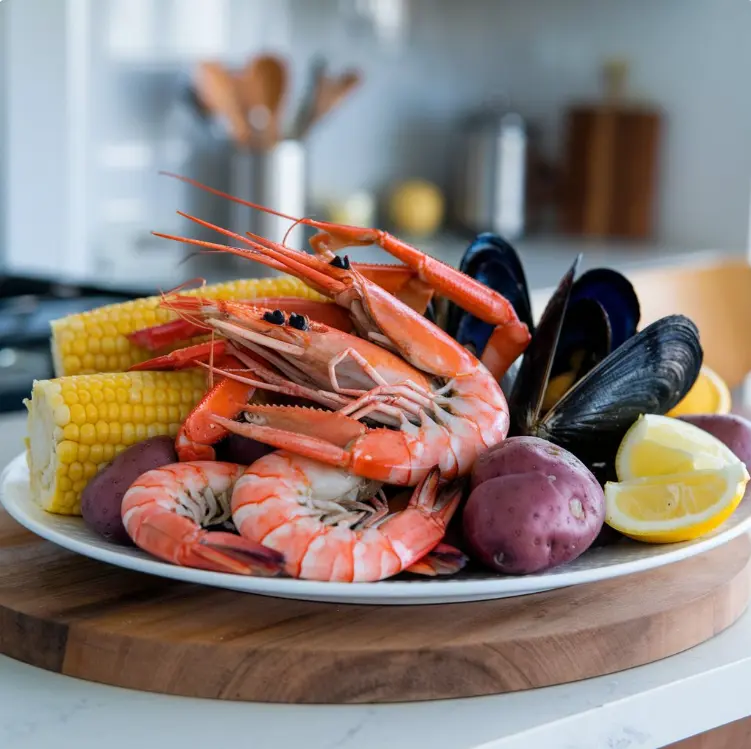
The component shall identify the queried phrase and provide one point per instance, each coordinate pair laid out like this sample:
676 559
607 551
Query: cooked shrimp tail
443 560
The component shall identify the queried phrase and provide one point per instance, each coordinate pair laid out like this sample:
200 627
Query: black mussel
601 314
495 263
602 311
649 373
614 292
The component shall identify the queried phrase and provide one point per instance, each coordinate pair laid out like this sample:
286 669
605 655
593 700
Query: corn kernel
96 454
67 451
140 432
70 396
78 414
108 451
92 412
129 433
89 469
75 471
102 431
115 432
88 434
71 432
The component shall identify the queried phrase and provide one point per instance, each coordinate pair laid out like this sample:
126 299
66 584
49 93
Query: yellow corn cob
76 425
95 341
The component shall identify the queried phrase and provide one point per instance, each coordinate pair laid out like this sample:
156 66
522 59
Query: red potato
732 430
532 507
103 495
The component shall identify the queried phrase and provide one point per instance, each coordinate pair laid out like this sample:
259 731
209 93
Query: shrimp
441 405
166 509
331 525
460 414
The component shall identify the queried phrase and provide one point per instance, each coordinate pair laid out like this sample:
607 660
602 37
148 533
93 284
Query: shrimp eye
339 262
275 318
298 321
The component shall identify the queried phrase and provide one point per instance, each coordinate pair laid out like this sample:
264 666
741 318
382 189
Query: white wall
692 57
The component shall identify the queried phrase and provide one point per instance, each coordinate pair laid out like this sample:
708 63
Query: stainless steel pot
491 174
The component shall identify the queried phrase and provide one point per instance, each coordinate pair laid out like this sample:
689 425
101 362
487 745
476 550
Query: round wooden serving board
79 617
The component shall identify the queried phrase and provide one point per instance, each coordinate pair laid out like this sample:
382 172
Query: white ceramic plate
624 558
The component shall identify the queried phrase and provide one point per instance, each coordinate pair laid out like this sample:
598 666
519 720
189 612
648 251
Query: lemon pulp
675 507
661 445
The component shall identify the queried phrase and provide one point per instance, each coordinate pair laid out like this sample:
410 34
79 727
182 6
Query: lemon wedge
661 445
709 395
676 507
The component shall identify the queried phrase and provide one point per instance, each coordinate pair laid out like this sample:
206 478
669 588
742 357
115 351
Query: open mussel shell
526 394
649 374
616 295
586 339
495 263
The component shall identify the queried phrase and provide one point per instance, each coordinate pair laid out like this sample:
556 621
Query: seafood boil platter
402 434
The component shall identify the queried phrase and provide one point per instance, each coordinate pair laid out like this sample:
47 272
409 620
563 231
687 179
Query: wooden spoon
255 110
272 73
330 93
217 88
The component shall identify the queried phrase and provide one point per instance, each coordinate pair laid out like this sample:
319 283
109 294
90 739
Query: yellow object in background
77 425
416 208
709 395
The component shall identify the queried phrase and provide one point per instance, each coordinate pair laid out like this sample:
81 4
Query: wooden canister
611 165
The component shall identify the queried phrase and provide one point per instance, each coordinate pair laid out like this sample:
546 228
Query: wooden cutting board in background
611 164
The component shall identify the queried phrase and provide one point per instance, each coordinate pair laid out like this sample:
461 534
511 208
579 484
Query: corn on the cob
76 425
95 341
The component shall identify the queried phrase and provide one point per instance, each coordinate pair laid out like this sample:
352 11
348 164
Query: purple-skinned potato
103 495
732 430
532 507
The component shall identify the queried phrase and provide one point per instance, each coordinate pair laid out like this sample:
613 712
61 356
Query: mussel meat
649 372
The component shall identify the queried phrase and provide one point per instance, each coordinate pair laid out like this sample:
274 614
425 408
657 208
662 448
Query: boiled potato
532 506
103 496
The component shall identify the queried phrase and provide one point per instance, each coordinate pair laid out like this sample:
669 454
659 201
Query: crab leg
506 343
403 281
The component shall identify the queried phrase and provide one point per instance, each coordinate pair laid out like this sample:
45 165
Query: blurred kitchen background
617 128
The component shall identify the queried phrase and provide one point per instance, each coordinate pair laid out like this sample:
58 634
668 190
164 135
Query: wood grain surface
76 616
735 735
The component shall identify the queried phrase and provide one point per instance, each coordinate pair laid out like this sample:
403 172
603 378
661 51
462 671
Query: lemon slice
709 395
677 507
660 445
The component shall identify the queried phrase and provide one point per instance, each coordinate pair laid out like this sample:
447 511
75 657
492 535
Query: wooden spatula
330 93
217 89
